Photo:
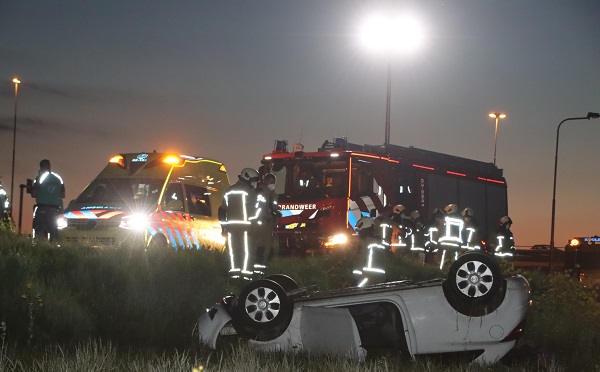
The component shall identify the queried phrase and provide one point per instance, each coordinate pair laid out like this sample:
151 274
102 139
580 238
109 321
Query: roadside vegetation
79 308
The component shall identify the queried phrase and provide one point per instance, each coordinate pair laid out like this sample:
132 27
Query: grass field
76 308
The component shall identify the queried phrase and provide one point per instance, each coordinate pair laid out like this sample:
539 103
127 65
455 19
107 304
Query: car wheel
263 310
287 283
475 285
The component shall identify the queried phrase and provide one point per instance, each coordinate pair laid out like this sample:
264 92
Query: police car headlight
61 223
134 222
336 240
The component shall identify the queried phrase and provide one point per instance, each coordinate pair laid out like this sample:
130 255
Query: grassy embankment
126 309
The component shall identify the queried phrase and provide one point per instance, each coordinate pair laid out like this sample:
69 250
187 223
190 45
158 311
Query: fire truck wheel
287 283
475 285
263 307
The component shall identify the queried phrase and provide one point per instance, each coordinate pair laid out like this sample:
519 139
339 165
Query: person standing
384 227
267 223
48 190
371 255
3 204
238 216
452 235
503 239
472 240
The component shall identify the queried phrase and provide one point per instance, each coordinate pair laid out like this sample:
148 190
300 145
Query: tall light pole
590 115
390 34
16 81
498 116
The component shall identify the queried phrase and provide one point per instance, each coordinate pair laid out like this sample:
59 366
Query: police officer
503 243
48 190
238 216
451 238
472 240
3 204
266 223
371 254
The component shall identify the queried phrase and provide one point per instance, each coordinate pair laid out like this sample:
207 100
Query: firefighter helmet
451 208
467 212
414 215
249 174
364 223
398 208
504 220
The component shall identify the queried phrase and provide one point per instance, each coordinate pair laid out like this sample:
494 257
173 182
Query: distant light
497 115
574 242
16 81
391 33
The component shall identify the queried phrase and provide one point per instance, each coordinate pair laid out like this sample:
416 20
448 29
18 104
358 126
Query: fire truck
322 194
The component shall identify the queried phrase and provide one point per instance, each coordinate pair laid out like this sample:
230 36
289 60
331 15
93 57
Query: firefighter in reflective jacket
472 240
266 222
48 190
384 227
372 254
503 243
238 216
451 238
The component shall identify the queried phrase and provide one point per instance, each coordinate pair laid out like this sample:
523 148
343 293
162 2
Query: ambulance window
198 200
173 198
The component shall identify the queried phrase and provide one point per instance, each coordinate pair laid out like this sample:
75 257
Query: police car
474 310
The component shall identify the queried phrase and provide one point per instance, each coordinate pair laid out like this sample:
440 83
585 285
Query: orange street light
496 115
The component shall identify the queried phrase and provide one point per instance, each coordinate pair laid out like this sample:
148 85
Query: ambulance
150 199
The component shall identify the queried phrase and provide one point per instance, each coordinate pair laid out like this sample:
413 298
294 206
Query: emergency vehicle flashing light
118 159
574 242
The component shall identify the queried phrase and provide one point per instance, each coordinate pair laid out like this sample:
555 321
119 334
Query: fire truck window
198 200
173 198
280 173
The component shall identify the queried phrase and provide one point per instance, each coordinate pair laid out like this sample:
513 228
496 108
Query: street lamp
496 115
590 115
16 81
390 35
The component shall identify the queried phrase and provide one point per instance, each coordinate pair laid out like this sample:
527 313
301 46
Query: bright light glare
134 222
16 81
337 240
61 223
391 33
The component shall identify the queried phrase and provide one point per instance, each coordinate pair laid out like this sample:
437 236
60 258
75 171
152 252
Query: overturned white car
475 311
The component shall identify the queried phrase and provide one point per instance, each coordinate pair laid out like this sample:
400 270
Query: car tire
475 285
263 310
286 282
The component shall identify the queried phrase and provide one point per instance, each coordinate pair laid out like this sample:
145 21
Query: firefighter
503 243
451 238
266 223
432 235
238 216
384 226
48 190
371 254
417 241
472 240
402 227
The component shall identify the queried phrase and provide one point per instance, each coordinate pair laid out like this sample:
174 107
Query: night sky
224 79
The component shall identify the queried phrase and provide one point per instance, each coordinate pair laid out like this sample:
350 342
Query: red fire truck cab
322 194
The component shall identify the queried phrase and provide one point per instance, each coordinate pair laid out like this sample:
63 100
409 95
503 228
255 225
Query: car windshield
122 191
310 179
